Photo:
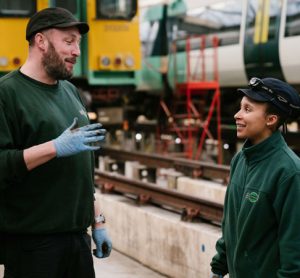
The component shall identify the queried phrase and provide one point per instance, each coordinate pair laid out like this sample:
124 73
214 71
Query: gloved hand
213 275
73 141
103 243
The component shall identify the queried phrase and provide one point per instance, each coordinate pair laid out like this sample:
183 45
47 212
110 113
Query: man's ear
40 41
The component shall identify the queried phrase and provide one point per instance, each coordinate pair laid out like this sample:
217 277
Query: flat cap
53 18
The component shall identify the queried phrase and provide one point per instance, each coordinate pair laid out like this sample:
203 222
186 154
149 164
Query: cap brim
82 26
255 95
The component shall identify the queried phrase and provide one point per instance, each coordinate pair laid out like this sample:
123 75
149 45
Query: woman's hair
272 110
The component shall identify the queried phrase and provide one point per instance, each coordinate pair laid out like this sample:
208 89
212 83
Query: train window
262 20
292 27
148 35
222 19
70 5
153 33
17 8
116 9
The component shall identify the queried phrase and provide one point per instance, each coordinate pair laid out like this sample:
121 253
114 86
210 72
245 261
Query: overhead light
114 167
138 137
177 140
226 146
144 173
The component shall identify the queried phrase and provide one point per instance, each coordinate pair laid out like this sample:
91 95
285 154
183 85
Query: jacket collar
264 149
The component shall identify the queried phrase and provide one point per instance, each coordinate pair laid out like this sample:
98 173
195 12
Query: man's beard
54 65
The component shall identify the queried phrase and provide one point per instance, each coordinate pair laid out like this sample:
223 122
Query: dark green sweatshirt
58 195
261 224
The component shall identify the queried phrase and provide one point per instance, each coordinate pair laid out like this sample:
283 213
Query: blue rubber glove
103 243
73 141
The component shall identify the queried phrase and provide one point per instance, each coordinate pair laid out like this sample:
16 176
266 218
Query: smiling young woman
260 231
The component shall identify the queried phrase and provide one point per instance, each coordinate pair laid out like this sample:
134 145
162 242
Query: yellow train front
110 51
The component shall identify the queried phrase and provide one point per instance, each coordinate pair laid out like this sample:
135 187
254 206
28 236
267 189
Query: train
110 52
255 38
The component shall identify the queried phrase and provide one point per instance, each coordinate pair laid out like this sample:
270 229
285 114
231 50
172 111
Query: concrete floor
121 266
118 266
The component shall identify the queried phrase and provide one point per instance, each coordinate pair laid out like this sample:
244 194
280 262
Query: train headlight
118 61
16 61
3 62
129 61
105 61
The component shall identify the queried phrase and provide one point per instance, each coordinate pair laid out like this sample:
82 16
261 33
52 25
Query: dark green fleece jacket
261 224
58 195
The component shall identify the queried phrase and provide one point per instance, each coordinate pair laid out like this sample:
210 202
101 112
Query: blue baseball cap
283 96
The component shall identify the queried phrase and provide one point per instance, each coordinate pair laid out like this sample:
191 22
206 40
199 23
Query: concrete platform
203 189
159 239
171 179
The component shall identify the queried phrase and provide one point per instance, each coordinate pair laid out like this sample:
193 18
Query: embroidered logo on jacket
83 113
252 197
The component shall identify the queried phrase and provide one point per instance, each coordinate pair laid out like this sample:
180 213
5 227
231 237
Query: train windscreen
116 9
222 19
17 8
292 27
70 5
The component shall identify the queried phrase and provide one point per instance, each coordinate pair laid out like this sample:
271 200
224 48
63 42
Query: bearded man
46 159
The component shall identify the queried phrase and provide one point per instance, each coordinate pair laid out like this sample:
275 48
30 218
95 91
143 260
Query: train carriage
256 37
110 53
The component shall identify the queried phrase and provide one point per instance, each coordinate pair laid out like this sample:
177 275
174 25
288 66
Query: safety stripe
258 19
266 22
262 22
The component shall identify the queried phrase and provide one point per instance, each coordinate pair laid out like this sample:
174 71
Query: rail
192 168
190 207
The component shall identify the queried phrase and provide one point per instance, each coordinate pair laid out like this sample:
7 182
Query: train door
153 36
290 41
261 51
222 19
75 8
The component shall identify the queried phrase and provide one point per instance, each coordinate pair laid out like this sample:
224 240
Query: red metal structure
196 88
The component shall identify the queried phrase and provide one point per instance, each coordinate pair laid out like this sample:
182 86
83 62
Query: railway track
191 168
190 207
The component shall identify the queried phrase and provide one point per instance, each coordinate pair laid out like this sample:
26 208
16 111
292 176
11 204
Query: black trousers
65 255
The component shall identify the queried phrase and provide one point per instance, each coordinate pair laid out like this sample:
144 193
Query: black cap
283 96
53 18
